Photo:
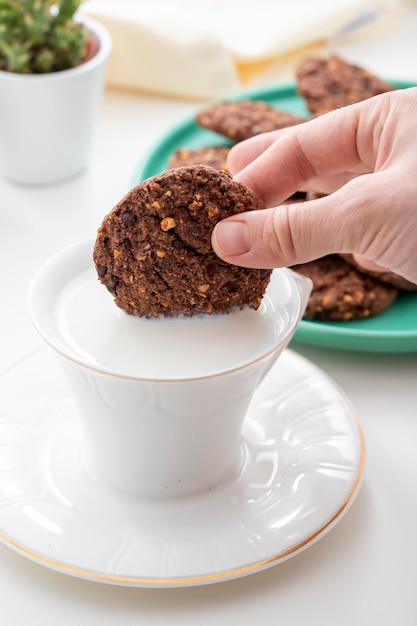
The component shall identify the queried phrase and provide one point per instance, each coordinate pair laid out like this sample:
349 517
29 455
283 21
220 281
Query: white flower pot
47 120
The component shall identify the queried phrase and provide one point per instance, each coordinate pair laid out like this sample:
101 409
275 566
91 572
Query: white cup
159 429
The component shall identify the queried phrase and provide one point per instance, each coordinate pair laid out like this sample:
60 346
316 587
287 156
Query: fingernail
232 238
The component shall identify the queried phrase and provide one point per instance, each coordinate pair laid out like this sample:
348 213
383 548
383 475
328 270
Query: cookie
341 293
386 277
330 83
244 118
153 250
214 156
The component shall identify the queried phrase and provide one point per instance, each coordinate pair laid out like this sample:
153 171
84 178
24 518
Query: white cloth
197 49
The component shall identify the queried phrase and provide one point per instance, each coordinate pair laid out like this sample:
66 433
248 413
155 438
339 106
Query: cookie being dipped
153 250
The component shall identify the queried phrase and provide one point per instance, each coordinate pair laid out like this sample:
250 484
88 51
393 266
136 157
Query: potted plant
52 71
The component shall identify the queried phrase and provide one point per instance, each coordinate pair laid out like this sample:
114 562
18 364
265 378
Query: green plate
395 330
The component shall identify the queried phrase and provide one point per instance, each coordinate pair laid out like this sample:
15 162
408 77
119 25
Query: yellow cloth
205 49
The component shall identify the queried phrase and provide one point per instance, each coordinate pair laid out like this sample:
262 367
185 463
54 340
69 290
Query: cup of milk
161 401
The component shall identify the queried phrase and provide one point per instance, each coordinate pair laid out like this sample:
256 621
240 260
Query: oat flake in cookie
153 250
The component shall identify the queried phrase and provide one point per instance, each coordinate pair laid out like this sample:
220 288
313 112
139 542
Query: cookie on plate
214 156
387 277
242 119
330 83
341 293
153 250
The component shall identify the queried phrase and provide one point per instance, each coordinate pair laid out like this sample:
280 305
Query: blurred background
201 50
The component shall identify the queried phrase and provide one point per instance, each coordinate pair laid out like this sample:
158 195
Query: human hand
364 156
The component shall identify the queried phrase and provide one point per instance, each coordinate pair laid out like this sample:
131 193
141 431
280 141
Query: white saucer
301 468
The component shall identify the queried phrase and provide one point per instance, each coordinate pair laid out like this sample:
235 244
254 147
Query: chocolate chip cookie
330 83
214 156
387 277
153 250
242 119
341 292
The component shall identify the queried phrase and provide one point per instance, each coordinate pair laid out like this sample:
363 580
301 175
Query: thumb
295 233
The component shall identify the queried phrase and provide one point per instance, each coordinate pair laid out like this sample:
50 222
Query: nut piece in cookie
341 293
153 250
330 83
242 119
214 156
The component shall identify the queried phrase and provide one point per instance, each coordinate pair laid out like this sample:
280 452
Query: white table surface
365 570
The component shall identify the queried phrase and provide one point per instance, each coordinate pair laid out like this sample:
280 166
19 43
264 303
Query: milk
94 328
161 402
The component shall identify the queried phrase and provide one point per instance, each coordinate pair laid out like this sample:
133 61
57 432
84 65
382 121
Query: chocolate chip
127 218
211 269
101 270
114 281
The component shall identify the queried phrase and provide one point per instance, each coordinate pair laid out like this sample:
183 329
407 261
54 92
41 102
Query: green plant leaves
38 36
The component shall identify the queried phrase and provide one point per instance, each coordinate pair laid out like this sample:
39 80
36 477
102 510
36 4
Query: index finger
328 145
